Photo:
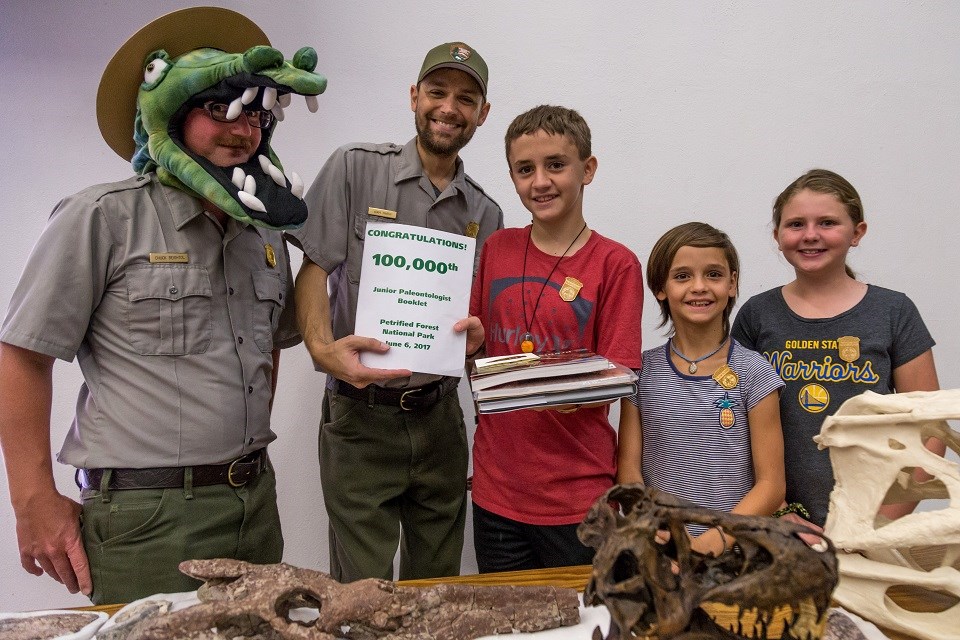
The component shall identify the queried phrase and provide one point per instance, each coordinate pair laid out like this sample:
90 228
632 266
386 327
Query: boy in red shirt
553 285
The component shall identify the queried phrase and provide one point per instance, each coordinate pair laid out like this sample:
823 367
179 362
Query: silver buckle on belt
403 398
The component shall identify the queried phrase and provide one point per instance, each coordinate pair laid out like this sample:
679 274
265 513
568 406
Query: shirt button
281 296
230 290
250 441
249 389
173 290
240 339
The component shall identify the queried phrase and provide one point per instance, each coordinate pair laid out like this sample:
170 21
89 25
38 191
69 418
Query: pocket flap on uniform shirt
167 282
268 286
360 222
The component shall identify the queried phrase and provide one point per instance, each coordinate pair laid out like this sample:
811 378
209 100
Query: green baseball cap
456 55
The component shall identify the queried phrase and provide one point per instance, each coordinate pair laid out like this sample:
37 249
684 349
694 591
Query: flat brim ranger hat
179 61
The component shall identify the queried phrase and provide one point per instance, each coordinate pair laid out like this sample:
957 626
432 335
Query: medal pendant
693 367
527 344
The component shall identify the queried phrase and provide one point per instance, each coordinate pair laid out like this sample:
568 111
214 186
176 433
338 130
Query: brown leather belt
236 474
416 399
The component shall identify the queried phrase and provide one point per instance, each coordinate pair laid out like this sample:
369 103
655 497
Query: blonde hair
828 182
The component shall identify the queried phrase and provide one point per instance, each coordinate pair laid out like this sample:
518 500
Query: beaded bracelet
793 507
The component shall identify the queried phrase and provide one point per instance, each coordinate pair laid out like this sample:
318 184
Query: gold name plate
382 213
168 258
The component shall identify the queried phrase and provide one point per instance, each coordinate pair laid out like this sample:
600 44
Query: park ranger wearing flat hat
173 289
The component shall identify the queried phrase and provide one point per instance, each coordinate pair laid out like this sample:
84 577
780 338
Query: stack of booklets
527 380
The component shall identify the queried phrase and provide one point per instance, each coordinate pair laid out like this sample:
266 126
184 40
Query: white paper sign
414 285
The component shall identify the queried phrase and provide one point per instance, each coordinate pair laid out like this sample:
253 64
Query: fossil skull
660 588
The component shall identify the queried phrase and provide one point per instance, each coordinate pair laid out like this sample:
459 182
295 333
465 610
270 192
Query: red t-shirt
544 467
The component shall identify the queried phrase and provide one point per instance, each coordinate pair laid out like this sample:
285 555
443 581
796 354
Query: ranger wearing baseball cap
393 446
456 55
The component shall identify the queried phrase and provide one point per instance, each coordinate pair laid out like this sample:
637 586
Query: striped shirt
696 437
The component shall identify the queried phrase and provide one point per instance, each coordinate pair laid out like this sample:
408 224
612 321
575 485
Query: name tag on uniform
168 257
382 213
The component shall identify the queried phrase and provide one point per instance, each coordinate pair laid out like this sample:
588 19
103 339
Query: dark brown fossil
655 588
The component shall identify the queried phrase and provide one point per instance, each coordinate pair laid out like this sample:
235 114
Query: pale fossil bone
245 600
875 441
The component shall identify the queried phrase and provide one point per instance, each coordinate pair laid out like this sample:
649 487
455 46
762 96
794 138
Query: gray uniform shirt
176 356
361 177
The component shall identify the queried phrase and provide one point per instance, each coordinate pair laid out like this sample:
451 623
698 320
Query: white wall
700 110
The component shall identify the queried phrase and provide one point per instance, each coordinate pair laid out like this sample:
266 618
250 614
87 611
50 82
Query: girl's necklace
526 345
693 362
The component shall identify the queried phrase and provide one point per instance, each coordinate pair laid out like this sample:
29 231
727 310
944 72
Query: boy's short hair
554 120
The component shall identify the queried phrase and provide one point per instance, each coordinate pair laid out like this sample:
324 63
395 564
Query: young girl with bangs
705 422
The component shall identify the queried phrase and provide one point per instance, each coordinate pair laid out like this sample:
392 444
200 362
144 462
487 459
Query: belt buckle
403 399
230 480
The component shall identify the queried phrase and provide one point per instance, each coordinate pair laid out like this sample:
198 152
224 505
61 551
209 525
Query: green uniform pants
384 470
135 539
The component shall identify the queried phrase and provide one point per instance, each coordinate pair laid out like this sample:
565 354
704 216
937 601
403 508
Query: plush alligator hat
179 61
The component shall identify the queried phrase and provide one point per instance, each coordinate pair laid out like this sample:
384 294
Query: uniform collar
184 208
411 167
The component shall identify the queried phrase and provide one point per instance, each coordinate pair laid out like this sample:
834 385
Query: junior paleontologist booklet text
414 285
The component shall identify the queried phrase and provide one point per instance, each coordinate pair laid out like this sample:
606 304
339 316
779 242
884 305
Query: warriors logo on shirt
814 398
726 405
